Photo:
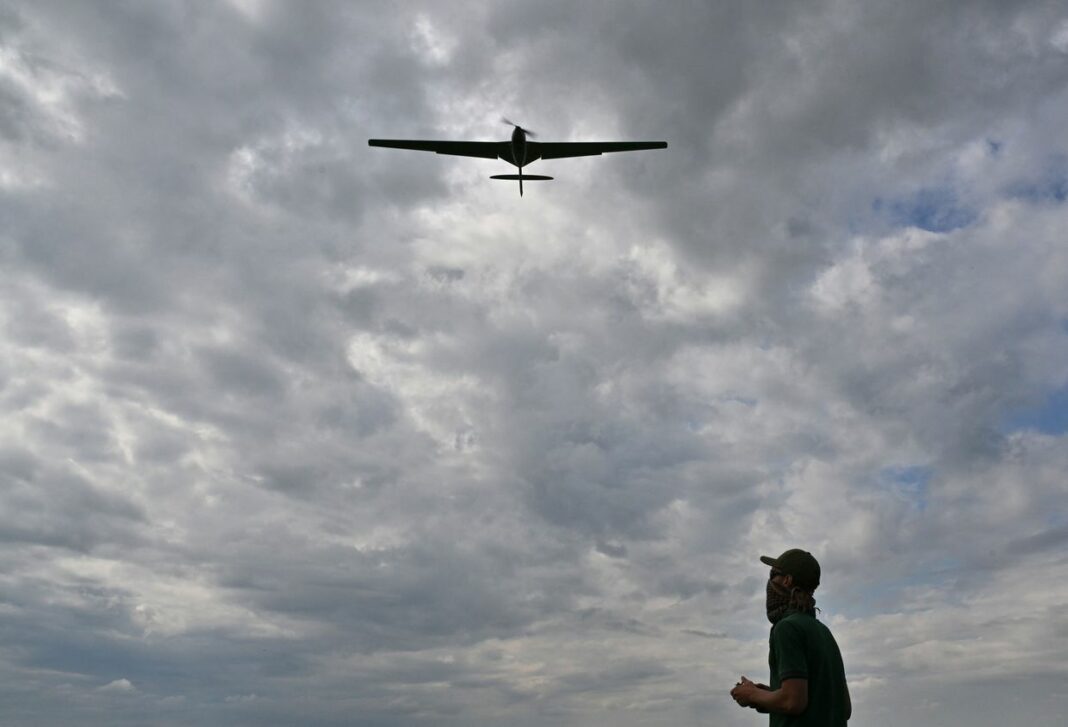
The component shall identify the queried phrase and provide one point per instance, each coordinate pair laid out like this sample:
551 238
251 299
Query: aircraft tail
522 178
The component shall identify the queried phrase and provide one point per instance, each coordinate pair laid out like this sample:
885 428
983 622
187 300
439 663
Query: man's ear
788 581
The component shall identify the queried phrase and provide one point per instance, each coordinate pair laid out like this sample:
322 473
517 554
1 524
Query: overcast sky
298 431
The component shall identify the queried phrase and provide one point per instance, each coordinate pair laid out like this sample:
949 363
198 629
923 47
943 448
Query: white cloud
118 686
294 429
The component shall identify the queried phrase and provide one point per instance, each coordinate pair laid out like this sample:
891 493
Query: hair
802 600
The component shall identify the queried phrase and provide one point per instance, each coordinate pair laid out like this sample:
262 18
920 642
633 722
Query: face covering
778 602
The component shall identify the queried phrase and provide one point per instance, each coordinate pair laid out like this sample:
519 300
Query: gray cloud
297 430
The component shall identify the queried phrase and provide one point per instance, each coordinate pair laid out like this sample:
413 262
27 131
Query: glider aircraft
519 151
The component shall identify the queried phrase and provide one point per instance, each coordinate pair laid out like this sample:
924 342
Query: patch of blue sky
911 483
1050 186
1051 190
1056 519
1048 417
935 209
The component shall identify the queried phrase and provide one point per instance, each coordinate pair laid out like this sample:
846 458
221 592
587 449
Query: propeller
528 132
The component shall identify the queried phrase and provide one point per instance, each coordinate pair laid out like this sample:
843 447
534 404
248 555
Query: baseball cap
797 563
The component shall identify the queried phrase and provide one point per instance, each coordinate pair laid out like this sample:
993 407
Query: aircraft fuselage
519 147
519 151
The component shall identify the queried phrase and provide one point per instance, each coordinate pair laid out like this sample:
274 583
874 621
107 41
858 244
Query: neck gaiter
778 601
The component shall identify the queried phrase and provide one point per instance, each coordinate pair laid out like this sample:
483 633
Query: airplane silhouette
519 152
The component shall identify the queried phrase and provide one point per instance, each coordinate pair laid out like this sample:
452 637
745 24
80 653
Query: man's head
799 565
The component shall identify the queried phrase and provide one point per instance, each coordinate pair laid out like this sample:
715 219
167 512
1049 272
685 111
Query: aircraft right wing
562 149
484 149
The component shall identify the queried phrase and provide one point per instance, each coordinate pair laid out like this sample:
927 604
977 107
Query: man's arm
848 704
766 688
790 698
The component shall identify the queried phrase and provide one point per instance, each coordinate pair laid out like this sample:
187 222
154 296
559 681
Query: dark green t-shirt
803 648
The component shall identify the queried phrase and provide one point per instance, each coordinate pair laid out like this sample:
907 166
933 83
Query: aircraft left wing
560 150
484 149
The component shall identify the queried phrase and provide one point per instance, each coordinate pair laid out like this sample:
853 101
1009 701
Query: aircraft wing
484 149
560 150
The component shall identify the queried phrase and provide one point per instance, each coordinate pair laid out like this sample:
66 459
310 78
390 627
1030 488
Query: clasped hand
744 692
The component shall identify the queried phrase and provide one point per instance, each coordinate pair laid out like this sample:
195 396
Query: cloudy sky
298 431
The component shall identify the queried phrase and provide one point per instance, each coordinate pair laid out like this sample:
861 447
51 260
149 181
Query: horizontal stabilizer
524 177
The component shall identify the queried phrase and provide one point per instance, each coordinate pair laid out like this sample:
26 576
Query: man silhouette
808 685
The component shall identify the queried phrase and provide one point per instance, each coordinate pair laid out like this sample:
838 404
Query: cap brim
768 560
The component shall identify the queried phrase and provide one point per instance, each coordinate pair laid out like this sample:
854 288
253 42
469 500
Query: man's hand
790 698
744 690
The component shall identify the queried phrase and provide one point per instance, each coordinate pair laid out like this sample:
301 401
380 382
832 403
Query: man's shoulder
800 623
790 625
797 619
